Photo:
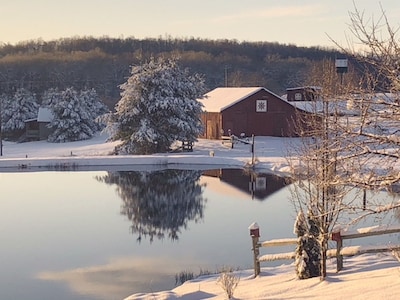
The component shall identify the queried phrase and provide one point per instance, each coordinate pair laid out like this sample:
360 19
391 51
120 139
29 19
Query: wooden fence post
339 244
255 235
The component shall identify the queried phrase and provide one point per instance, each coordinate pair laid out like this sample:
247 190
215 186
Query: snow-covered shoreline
119 162
95 154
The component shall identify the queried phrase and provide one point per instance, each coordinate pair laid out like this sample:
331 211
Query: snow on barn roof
45 114
221 98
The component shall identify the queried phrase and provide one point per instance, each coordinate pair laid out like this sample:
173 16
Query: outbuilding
246 111
303 93
37 128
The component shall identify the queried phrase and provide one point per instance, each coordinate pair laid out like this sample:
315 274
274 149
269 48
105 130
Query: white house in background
37 128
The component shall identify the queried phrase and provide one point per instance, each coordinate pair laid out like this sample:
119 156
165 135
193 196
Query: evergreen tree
158 106
94 106
3 101
308 251
73 119
50 97
17 109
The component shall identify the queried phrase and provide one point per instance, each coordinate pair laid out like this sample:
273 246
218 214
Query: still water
105 235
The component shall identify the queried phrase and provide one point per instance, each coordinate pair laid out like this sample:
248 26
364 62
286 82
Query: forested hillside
104 63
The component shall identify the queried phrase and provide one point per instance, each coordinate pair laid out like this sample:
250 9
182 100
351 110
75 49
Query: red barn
248 110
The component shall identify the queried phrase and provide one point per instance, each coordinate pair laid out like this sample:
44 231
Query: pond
108 234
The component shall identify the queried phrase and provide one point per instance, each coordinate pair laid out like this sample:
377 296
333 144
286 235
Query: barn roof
221 98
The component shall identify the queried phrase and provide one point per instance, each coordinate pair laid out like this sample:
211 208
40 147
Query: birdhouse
254 229
341 65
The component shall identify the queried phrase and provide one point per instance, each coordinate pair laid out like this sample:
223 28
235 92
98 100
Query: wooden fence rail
341 251
338 237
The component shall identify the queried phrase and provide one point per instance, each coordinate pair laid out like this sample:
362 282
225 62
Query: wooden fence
337 237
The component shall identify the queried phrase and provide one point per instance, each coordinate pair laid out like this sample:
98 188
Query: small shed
246 111
37 128
303 93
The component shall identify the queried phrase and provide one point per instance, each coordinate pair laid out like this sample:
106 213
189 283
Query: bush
228 281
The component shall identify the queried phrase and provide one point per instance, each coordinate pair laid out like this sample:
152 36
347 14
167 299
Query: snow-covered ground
366 276
269 154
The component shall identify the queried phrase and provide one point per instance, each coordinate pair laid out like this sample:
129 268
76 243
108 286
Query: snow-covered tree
3 101
3 98
74 118
17 109
158 106
317 164
94 106
50 97
375 134
308 250
355 140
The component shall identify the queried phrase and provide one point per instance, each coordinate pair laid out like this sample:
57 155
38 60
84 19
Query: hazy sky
300 22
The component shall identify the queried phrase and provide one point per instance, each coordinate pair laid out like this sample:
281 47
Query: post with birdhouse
255 235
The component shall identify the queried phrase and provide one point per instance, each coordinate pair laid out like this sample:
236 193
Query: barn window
261 105
298 97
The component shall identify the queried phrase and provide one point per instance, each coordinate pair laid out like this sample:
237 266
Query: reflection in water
118 277
75 239
159 203
258 185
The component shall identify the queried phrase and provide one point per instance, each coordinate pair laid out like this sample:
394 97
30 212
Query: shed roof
312 87
221 98
45 114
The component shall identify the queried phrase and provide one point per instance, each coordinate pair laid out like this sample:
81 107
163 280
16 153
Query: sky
302 23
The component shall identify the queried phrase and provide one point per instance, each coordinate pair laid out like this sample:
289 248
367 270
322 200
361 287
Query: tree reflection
159 203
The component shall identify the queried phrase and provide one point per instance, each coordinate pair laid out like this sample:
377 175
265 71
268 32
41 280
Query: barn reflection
258 185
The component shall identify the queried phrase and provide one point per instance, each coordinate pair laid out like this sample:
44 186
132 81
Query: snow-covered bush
396 254
308 250
228 281
158 106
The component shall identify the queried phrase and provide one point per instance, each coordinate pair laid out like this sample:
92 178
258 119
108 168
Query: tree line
104 63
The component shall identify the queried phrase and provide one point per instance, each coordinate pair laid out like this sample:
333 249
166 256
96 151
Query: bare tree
351 139
318 170
375 133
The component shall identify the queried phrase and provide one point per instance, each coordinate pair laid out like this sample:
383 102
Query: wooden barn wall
243 118
212 125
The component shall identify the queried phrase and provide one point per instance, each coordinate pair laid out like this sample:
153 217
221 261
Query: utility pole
226 75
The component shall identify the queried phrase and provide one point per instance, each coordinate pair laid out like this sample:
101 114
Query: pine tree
73 120
17 109
50 97
308 250
94 106
158 106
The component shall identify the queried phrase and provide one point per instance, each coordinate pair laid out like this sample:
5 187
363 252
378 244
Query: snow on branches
17 109
75 114
158 106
